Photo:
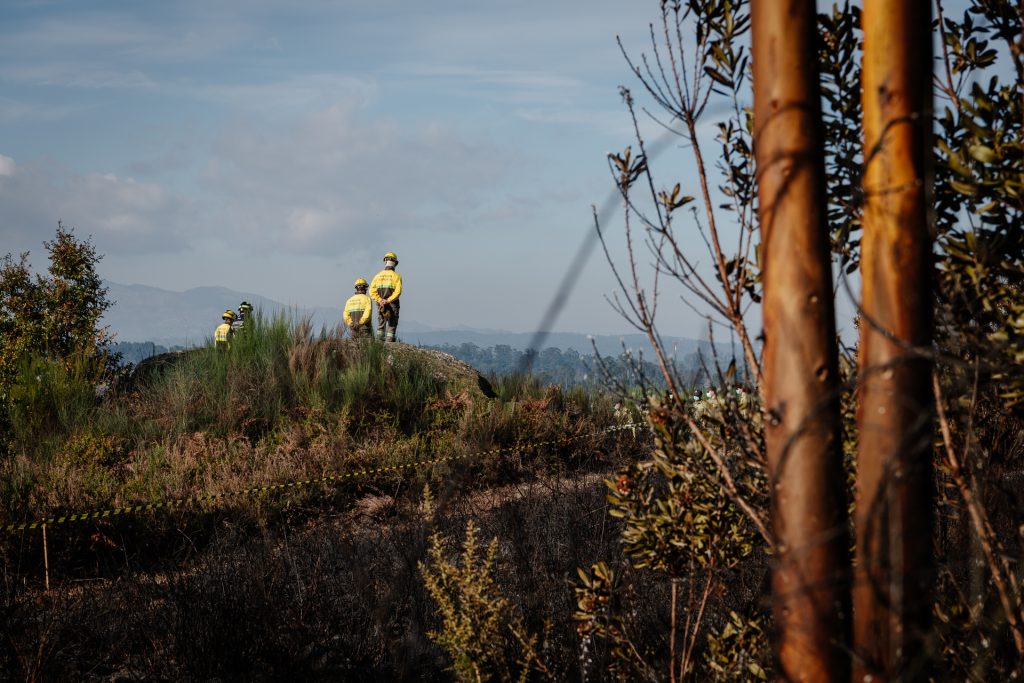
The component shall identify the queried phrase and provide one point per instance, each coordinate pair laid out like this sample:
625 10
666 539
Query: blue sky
281 147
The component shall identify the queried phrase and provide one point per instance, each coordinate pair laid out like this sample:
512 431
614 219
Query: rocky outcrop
456 374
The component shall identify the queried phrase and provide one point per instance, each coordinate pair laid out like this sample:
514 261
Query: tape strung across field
354 474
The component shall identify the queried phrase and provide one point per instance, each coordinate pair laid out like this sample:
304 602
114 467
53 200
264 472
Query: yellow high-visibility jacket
357 310
386 286
222 335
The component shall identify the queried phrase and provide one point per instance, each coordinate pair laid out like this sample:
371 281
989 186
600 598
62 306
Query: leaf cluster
53 317
839 51
979 196
675 513
735 652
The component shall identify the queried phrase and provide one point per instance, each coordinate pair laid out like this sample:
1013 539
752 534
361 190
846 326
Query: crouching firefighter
358 311
385 289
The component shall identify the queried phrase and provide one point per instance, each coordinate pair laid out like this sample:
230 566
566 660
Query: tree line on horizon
567 368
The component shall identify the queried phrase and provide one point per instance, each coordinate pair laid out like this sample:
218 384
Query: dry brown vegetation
321 579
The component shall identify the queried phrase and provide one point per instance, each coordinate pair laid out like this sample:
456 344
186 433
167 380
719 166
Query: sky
282 146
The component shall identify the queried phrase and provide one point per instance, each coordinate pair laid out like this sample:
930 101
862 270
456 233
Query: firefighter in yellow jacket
222 335
385 288
358 311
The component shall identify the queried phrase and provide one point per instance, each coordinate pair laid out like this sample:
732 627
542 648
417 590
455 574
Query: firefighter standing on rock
385 289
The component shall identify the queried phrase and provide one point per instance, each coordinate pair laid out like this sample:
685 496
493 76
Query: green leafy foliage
75 296
276 367
49 399
979 213
678 521
737 651
675 513
283 403
843 133
977 205
50 329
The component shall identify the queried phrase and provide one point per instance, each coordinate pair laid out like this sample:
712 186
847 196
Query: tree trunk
810 579
893 576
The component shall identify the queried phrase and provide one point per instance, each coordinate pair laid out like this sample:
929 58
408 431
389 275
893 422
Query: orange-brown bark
894 476
810 580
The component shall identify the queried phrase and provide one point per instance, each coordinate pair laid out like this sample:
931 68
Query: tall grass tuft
282 403
51 398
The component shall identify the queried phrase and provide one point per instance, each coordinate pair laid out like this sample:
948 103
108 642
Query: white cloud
310 226
124 216
85 48
311 136
335 179
96 31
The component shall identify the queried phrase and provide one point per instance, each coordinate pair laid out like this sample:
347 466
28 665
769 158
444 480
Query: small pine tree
55 318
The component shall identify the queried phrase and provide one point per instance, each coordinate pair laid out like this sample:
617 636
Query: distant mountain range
150 314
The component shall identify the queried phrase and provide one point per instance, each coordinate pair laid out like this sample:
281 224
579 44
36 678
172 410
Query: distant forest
569 368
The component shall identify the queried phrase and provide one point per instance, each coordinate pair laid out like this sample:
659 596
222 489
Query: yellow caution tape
194 500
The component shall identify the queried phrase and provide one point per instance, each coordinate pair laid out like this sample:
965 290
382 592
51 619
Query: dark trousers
387 321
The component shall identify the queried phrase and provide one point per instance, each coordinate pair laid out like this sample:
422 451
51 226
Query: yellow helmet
360 282
391 255
228 315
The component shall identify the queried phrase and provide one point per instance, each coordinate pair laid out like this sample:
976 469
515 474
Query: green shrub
281 404
53 317
276 368
49 399
738 651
